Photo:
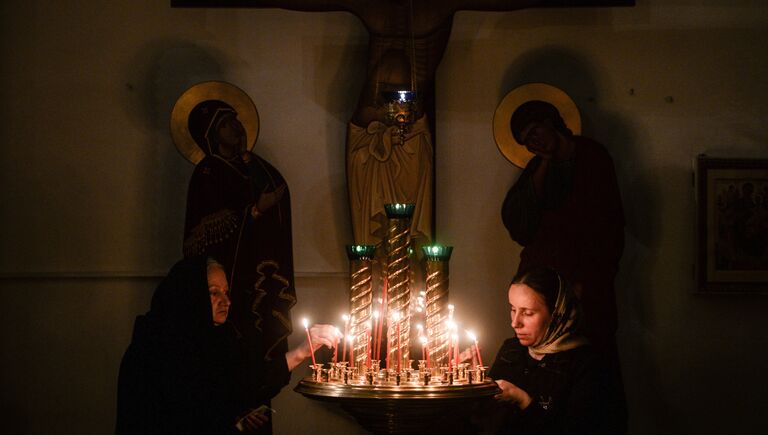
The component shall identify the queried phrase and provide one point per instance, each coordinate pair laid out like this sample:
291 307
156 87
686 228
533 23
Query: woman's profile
550 378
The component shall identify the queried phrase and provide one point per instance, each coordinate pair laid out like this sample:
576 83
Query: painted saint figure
238 211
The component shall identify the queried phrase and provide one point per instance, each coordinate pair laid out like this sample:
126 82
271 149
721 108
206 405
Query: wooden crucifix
407 41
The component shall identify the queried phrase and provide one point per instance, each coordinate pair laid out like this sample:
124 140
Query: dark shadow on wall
580 78
343 67
156 78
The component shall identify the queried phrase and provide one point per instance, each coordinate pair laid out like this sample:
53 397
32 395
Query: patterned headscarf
562 332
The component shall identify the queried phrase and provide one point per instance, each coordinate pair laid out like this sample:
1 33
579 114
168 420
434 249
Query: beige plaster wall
93 190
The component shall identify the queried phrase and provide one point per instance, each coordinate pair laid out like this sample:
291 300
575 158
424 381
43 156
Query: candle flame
345 317
305 322
376 314
350 338
396 316
423 340
419 326
471 335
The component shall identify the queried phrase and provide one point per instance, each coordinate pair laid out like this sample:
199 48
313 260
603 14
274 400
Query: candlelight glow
420 327
471 336
345 317
396 316
305 322
376 314
423 340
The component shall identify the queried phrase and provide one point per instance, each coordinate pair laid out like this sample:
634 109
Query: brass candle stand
398 279
360 299
439 394
406 401
437 302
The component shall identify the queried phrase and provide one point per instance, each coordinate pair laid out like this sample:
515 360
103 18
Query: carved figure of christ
407 40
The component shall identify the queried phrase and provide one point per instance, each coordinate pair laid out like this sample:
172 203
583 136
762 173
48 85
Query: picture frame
732 225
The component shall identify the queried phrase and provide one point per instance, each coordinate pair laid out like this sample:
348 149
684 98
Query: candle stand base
406 408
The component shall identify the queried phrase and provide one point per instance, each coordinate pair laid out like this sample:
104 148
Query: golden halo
213 90
519 155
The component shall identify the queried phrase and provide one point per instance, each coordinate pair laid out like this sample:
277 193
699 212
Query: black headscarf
176 362
181 304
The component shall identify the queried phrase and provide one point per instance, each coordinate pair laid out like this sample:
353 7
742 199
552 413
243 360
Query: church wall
93 190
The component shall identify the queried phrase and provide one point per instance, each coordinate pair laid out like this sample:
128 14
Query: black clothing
570 390
183 375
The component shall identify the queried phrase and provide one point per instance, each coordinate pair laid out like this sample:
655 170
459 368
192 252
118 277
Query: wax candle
375 350
456 350
346 333
473 337
309 341
396 317
369 326
384 301
350 339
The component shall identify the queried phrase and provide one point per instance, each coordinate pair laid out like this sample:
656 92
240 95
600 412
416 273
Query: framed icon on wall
732 225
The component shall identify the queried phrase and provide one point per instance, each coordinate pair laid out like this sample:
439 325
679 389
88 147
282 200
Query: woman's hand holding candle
319 335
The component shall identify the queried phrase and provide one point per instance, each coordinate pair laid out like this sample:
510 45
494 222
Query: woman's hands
513 394
322 335
252 421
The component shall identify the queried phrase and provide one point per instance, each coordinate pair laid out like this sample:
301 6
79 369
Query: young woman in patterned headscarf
551 380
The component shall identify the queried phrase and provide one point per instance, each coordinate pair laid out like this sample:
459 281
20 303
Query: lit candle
375 350
456 349
346 333
309 341
424 353
368 349
473 337
350 339
383 301
450 326
396 317
420 330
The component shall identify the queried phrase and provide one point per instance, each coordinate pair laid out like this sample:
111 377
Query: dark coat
181 374
571 391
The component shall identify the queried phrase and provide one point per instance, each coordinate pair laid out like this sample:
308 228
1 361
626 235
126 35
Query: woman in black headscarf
551 379
186 370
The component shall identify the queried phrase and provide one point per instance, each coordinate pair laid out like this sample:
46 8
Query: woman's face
218 289
530 315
